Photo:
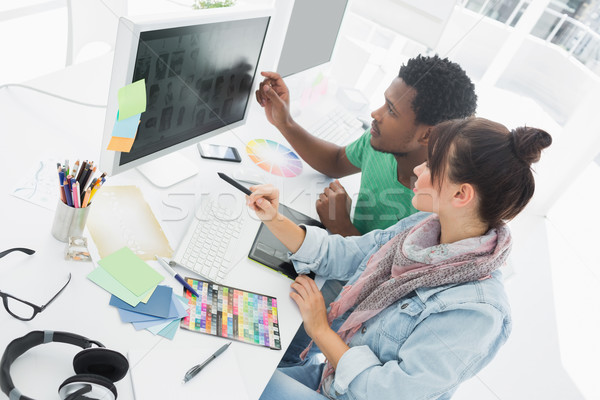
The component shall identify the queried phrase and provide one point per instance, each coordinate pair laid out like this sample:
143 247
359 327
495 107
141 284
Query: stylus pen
192 372
234 183
176 276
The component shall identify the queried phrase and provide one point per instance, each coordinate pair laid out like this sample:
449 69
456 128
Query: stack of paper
137 295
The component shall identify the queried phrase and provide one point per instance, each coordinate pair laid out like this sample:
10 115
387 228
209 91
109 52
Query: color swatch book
233 313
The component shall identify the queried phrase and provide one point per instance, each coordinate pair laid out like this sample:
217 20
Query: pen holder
68 221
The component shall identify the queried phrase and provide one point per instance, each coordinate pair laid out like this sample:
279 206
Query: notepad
158 373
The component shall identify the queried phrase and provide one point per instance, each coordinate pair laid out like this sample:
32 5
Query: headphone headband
18 346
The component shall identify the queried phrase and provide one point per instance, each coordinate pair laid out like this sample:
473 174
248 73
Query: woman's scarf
414 259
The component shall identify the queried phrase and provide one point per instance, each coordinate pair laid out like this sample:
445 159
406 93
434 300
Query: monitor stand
168 170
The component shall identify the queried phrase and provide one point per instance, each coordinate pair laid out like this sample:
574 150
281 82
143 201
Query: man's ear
464 195
424 138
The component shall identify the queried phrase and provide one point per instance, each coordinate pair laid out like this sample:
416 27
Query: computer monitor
199 72
311 35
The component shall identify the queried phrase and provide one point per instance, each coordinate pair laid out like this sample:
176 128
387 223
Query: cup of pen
76 191
69 221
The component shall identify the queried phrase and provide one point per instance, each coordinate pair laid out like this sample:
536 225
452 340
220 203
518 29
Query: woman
424 308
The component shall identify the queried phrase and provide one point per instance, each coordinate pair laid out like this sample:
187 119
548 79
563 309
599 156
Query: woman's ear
464 195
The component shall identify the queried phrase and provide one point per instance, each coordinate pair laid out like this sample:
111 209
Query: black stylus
235 183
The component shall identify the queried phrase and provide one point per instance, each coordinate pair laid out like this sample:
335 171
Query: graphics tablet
269 251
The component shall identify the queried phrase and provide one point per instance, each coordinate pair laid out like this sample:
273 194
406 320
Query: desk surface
36 127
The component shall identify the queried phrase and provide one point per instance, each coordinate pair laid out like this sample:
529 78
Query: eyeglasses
21 309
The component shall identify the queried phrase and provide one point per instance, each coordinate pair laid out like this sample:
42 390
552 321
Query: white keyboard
209 245
338 126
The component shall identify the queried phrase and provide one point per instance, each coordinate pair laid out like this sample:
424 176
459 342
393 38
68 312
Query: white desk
35 126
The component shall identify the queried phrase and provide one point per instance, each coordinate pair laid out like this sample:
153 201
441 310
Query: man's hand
310 301
333 207
274 96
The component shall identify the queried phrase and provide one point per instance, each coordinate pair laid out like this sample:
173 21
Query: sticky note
106 281
131 271
126 128
158 305
132 99
120 144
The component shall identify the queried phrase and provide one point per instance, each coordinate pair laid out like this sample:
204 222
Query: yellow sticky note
132 99
120 144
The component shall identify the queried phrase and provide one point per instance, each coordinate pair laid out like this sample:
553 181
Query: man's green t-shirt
382 200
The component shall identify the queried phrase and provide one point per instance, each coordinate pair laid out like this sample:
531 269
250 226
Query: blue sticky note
158 305
126 128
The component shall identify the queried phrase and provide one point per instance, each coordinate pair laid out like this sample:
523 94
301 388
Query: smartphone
219 152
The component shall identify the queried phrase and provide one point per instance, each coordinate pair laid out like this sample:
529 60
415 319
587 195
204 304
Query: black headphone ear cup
101 361
89 379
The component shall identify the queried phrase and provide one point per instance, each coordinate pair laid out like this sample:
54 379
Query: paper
158 305
157 373
170 330
126 128
131 271
107 282
121 144
40 184
121 217
132 99
177 310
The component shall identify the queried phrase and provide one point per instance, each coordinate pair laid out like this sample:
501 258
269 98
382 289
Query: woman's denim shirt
424 345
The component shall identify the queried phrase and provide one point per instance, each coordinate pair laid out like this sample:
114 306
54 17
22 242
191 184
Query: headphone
97 368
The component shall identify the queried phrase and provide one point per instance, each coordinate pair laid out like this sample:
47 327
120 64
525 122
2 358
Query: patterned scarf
413 259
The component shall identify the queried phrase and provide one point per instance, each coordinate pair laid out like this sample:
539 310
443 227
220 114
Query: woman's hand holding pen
264 200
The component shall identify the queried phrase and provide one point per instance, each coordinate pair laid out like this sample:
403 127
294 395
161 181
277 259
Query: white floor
554 278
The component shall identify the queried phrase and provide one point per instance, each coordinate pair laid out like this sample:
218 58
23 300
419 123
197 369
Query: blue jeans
330 290
296 383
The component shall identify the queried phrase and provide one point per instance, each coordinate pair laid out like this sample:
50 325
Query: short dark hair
444 91
496 161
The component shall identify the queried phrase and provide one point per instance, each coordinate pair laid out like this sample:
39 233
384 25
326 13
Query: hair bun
529 142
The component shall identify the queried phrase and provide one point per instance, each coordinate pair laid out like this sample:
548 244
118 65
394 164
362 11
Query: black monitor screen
198 79
311 35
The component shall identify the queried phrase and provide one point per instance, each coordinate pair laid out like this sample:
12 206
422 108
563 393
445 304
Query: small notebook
158 373
233 313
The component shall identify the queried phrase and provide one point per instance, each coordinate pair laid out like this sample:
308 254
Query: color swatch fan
274 157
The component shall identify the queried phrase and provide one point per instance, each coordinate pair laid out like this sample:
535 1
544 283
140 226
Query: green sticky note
131 271
106 281
132 99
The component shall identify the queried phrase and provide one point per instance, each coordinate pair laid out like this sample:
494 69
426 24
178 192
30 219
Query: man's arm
323 156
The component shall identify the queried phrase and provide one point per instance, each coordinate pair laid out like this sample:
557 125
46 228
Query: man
428 90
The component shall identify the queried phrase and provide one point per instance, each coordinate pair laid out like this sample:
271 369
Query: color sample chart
274 157
232 313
